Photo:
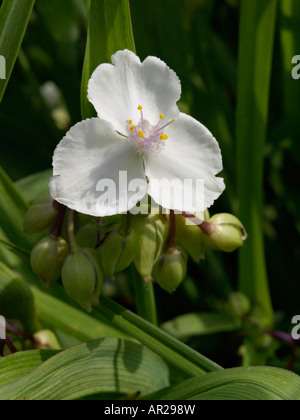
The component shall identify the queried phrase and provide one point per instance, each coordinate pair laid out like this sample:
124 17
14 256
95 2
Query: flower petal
117 90
87 165
190 160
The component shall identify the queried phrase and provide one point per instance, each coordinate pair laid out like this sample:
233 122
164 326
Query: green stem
71 231
257 25
144 298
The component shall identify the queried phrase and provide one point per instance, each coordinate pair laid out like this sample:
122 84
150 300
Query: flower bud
170 270
117 252
150 235
41 216
47 258
162 229
227 233
145 230
82 277
238 305
46 340
190 236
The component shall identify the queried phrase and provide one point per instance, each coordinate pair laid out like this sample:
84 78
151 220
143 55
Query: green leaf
199 324
102 366
71 321
257 24
14 18
12 211
34 185
257 383
15 249
173 351
21 363
16 299
109 30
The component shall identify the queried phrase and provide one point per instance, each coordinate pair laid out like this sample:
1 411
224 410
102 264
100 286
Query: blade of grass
14 18
257 23
109 30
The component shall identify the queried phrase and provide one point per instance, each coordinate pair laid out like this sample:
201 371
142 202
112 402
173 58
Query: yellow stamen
161 116
163 137
140 107
141 134
132 128
129 121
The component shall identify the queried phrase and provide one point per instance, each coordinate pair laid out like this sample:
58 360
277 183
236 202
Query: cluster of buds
82 250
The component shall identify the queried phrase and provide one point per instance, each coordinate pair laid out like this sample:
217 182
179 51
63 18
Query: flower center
145 136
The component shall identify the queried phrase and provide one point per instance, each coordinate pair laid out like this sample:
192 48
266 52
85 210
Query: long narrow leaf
109 30
12 211
257 25
199 324
14 18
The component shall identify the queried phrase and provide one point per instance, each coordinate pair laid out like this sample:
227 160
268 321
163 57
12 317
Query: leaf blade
14 18
101 366
109 30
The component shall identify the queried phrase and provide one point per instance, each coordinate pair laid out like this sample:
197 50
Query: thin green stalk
71 231
144 298
173 351
257 24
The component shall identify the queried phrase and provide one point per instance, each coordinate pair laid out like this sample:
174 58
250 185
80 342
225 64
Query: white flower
140 132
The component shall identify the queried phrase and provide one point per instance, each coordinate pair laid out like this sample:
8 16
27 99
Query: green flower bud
82 277
227 233
41 216
47 258
88 235
190 237
16 298
162 229
46 340
150 235
146 252
117 252
238 305
170 270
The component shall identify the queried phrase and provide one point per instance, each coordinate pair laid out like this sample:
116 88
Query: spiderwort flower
139 132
